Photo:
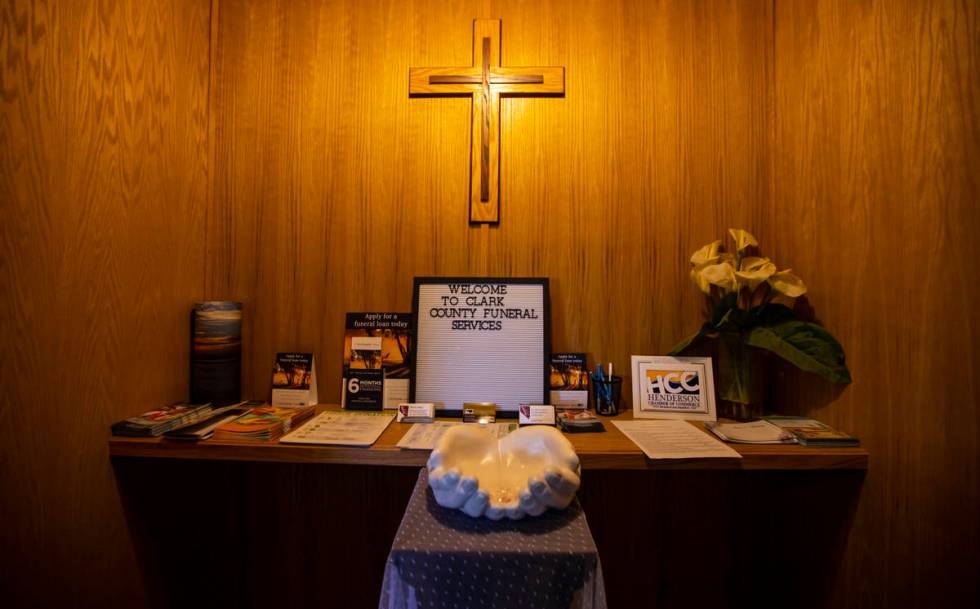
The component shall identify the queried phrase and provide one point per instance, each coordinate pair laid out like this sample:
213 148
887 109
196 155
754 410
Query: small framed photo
673 388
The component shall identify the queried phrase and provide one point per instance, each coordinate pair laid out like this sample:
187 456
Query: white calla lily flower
698 278
754 263
706 254
743 238
754 271
702 258
788 284
721 275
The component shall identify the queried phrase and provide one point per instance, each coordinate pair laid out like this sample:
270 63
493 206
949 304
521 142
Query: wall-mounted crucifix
485 81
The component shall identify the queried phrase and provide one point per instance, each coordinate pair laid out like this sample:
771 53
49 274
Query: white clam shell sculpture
524 473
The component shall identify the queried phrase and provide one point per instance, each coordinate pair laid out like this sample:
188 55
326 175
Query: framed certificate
673 388
481 339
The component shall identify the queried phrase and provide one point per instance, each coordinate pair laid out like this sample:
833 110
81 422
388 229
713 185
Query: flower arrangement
742 292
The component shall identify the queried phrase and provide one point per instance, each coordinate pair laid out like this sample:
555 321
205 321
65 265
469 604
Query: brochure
811 432
569 380
674 439
341 429
380 341
424 436
294 380
755 432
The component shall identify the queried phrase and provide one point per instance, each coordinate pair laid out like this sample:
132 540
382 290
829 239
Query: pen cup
605 395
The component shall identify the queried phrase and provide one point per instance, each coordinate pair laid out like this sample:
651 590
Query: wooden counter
609 450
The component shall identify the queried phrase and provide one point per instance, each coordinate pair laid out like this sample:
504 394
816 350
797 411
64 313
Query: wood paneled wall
333 189
877 150
297 176
103 174
843 134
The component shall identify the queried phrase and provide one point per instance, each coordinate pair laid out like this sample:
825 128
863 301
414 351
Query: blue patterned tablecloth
442 558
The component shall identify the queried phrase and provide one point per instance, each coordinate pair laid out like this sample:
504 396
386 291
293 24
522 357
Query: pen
609 387
603 387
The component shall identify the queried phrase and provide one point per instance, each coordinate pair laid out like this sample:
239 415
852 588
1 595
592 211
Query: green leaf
774 313
735 320
690 340
807 346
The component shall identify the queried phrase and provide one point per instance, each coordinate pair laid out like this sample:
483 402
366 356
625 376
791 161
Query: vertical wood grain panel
876 156
659 145
102 187
333 188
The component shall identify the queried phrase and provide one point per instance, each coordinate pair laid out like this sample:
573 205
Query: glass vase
741 379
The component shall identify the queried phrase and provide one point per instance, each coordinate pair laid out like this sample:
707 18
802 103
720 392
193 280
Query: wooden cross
485 81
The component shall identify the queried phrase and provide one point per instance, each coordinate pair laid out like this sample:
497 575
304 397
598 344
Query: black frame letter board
481 339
